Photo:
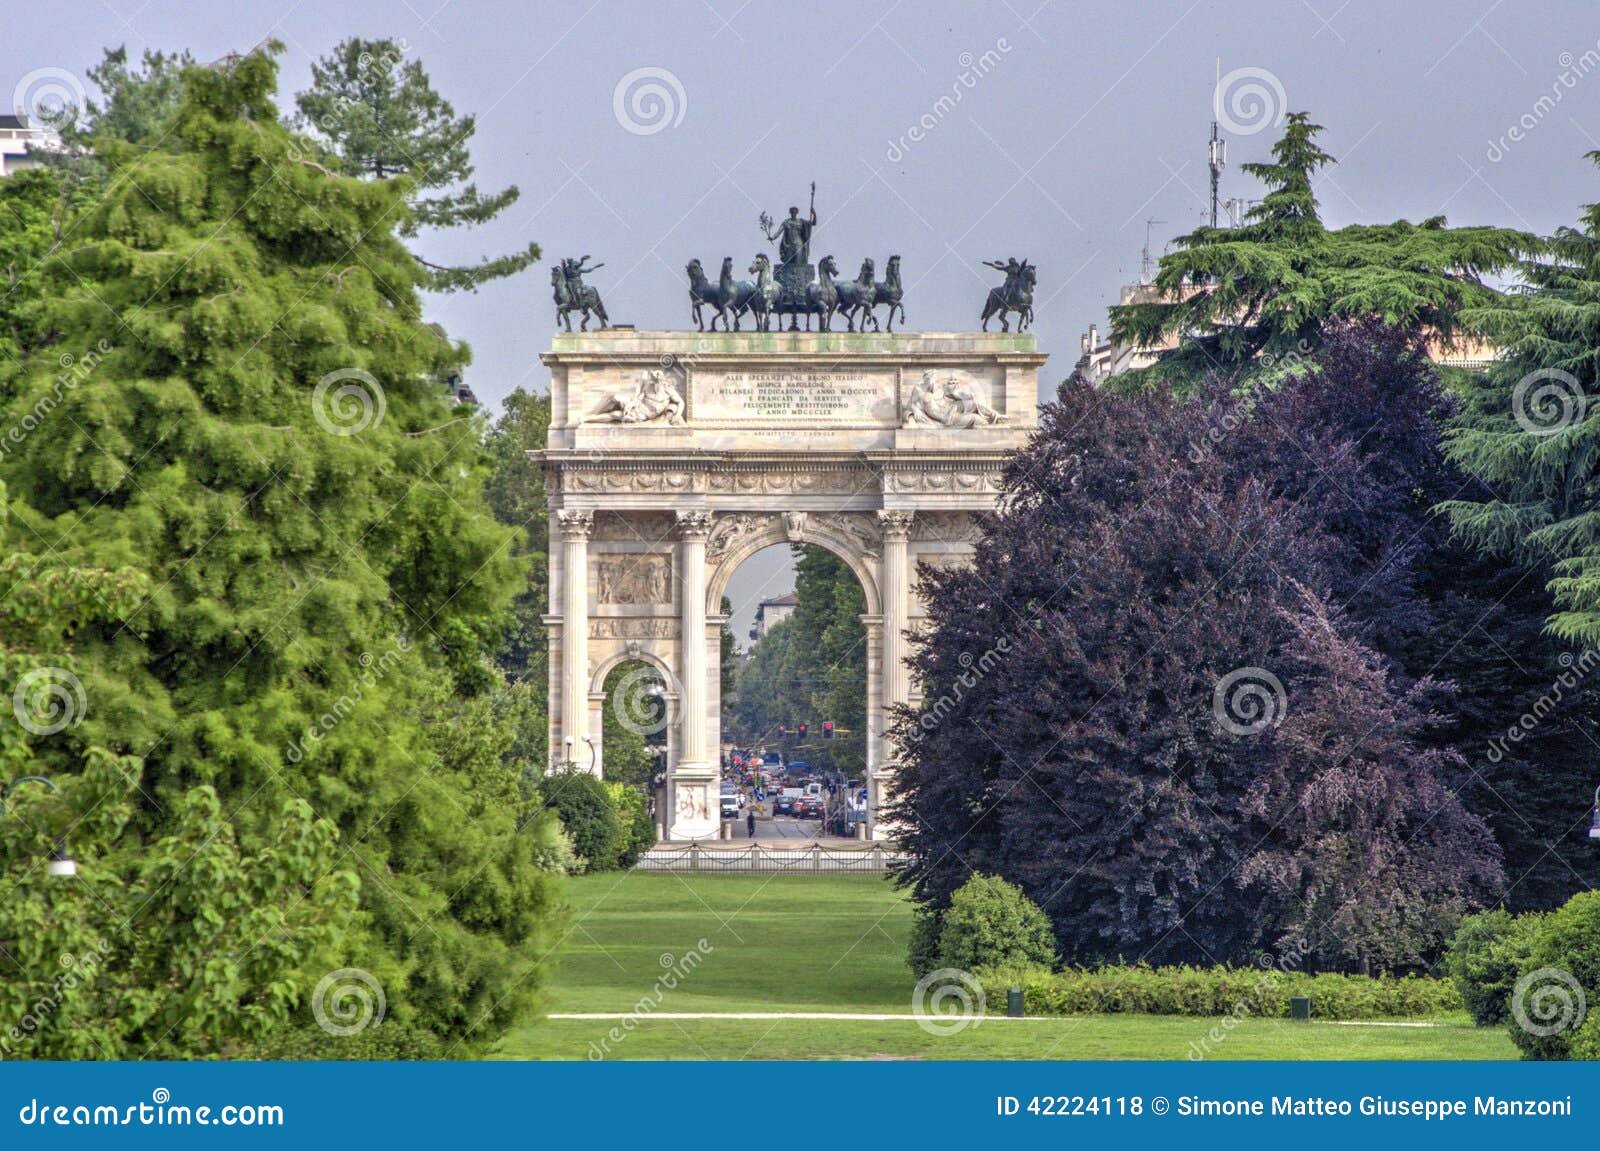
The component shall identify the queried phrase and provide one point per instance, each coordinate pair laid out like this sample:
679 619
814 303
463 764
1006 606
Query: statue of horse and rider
573 295
1015 295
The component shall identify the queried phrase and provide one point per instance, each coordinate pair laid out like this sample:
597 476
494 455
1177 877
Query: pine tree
379 118
261 435
1264 292
1531 428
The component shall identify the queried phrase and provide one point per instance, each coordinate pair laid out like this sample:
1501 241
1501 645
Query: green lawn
837 944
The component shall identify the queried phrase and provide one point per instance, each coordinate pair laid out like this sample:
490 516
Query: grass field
787 943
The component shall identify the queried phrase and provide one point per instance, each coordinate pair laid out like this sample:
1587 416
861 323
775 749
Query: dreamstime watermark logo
974 670
48 700
1547 401
674 970
649 100
1576 670
370 68
1548 1001
973 68
1248 700
348 402
1264 997
348 1001
1248 101
374 669
74 371
52 97
642 703
78 970
948 1001
1573 69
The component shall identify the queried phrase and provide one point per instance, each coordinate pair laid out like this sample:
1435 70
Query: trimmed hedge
1210 992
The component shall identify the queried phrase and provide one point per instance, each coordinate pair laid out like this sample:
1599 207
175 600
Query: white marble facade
675 456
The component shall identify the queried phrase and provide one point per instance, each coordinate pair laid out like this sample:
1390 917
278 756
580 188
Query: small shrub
991 923
1585 1043
638 829
588 815
1559 983
1484 959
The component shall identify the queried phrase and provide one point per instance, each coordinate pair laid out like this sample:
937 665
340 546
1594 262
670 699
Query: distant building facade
770 612
19 144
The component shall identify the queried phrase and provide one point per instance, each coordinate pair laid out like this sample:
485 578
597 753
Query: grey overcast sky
649 133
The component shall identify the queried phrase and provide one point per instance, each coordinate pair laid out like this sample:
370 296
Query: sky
947 132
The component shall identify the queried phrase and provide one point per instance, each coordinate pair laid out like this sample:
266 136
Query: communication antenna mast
1218 154
1146 261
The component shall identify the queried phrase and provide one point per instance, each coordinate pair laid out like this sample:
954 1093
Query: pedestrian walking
750 823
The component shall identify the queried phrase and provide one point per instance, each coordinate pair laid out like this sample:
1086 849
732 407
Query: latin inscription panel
801 396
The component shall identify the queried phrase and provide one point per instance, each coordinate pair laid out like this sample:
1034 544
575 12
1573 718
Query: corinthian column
695 814
893 675
576 527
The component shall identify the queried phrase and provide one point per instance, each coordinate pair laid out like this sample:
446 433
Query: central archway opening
794 724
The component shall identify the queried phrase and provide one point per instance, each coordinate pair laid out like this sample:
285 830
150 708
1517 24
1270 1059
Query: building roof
788 599
7 120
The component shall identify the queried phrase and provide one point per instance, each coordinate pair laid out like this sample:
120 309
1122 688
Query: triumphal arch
675 456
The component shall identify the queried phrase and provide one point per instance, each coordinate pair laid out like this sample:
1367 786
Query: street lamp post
1594 824
589 740
60 863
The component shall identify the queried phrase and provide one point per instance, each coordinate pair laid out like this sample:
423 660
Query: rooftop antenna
1146 261
1218 154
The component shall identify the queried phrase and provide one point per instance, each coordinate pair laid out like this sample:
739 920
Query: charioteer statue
795 271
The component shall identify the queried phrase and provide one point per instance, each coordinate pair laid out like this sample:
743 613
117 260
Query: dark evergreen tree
1531 428
1258 295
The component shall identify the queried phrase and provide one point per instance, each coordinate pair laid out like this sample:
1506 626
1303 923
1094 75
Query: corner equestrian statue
1015 295
573 295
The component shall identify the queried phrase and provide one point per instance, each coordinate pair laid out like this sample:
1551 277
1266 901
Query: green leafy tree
1530 430
34 204
1265 291
378 116
261 440
812 666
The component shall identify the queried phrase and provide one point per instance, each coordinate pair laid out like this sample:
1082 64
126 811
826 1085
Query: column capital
576 523
896 523
695 525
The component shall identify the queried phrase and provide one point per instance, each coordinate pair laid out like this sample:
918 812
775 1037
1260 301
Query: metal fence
812 858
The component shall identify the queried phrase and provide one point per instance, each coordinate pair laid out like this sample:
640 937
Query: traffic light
802 731
827 729
783 731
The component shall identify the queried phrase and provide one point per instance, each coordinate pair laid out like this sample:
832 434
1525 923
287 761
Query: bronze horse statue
719 296
857 297
822 297
759 296
585 300
1015 295
888 291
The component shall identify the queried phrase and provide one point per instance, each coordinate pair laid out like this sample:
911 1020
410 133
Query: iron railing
813 858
